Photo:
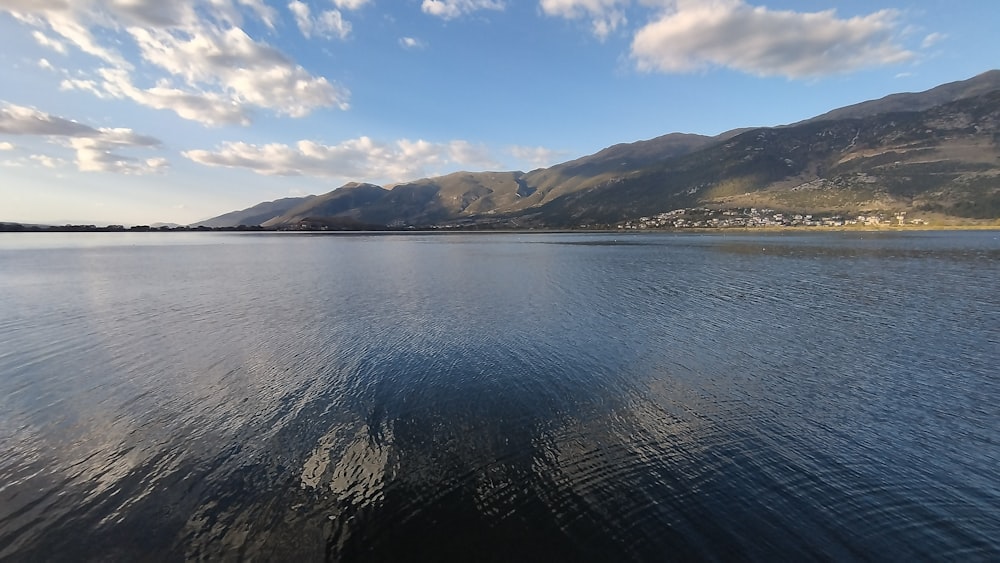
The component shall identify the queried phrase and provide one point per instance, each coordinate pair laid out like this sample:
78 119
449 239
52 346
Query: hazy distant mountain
344 201
931 152
256 215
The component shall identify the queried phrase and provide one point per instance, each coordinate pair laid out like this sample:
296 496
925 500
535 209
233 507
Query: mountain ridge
933 152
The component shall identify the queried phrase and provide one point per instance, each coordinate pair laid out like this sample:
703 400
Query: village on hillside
705 218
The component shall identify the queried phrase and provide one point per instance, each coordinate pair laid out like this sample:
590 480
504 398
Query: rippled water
169 396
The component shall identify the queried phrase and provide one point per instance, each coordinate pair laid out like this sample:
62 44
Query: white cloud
94 147
412 43
933 39
303 16
330 23
5 146
249 72
350 4
214 71
84 85
21 120
48 42
354 159
48 161
264 13
450 9
97 155
472 156
537 157
45 64
208 108
70 21
693 35
226 74
606 15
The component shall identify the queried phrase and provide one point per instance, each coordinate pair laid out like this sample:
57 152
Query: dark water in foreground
499 397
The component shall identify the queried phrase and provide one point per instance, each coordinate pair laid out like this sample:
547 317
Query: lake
471 397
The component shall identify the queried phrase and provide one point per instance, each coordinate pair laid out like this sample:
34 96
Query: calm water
168 396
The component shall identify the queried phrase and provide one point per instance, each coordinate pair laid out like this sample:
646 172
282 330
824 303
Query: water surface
169 396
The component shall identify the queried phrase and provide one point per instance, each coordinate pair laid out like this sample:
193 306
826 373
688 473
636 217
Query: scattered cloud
209 69
329 24
264 13
5 146
537 157
606 16
474 156
303 17
84 85
95 147
44 63
20 120
70 21
46 41
450 9
207 108
412 43
48 161
933 39
97 155
354 159
351 4
692 35
245 71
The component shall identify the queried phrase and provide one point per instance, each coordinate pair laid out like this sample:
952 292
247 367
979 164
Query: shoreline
674 230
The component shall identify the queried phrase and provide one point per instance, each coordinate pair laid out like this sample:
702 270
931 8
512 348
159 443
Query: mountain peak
916 101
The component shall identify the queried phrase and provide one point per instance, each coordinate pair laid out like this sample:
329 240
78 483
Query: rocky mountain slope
935 153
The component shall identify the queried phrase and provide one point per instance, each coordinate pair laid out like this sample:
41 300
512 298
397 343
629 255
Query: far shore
472 230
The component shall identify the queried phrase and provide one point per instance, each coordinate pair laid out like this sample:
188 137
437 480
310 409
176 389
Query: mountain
943 160
472 196
933 153
256 215
342 202
953 91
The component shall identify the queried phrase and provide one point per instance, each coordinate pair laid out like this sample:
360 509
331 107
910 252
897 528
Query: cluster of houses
705 218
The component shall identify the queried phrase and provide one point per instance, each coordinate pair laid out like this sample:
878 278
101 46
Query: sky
148 111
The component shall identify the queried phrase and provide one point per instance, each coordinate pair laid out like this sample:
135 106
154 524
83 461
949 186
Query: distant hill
256 215
344 201
934 153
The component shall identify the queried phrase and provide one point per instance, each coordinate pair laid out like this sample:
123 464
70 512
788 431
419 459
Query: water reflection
490 398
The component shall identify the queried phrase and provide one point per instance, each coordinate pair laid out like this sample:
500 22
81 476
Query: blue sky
142 111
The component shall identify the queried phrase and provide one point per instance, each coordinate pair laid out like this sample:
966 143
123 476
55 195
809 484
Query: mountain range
934 154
